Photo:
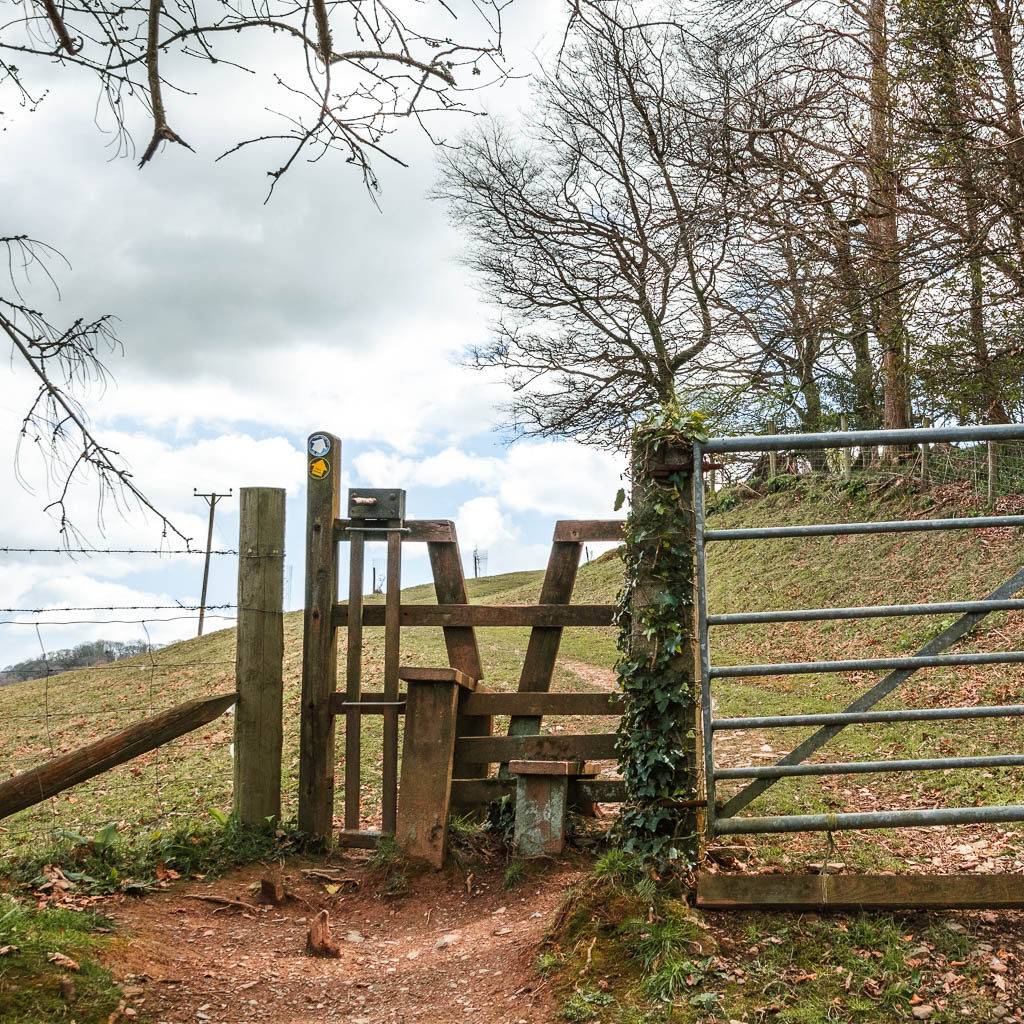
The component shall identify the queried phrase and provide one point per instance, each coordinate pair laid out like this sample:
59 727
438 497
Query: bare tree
601 233
348 74
347 71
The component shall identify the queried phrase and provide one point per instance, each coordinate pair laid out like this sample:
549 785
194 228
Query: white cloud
561 478
481 523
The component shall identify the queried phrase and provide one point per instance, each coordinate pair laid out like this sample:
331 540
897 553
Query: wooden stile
61 773
319 648
260 655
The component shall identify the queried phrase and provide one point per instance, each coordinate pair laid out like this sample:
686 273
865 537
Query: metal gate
723 819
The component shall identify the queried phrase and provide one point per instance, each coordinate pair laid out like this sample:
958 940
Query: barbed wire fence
66 708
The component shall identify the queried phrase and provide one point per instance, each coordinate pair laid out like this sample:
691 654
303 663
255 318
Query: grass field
188 778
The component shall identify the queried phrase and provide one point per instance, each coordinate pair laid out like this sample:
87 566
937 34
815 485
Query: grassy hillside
187 778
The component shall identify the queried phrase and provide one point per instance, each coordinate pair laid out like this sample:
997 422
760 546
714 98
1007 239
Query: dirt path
454 948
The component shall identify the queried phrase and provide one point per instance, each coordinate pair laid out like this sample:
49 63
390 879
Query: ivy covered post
658 668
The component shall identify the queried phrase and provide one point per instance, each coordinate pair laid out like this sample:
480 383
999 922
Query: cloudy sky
246 327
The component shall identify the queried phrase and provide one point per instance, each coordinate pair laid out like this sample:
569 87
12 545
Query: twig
223 901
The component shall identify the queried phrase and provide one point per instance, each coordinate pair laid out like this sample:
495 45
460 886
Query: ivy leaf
620 498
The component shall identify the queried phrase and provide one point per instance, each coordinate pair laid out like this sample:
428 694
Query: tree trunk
883 230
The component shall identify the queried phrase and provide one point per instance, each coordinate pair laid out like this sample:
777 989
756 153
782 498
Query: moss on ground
31 972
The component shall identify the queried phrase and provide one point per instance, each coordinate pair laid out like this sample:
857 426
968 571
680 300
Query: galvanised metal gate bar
721 821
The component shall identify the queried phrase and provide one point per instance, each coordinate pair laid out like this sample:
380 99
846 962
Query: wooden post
993 472
392 631
773 458
428 751
925 453
260 655
354 679
682 673
845 451
319 647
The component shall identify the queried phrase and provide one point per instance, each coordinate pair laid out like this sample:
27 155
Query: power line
117 607
114 551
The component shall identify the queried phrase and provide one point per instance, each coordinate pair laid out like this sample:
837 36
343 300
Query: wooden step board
859 892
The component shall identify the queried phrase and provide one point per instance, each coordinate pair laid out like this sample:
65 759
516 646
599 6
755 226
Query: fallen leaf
922 1012
62 961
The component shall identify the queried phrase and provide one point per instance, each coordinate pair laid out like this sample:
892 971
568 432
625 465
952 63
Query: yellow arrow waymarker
319 468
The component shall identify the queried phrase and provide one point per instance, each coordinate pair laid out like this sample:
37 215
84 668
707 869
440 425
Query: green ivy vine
655 646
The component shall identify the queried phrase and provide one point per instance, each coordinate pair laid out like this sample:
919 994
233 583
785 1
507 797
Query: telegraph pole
211 499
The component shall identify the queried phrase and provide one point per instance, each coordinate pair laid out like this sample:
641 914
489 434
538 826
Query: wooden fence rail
61 773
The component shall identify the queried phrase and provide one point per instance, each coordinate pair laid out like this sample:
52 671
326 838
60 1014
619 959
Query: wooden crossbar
499 749
419 530
523 703
485 615
68 770
589 529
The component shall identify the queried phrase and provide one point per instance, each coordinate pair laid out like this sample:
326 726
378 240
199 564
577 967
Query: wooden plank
436 675
486 615
542 650
427 757
354 682
482 791
68 770
576 767
490 749
602 791
460 641
319 647
430 531
854 892
365 840
392 632
589 529
543 704
259 659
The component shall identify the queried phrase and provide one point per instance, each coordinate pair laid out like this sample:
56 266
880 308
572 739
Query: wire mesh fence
986 470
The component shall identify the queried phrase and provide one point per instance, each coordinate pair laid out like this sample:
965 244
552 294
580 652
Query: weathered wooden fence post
660 674
773 459
260 655
319 647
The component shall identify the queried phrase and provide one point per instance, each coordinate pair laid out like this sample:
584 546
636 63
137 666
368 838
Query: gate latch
377 504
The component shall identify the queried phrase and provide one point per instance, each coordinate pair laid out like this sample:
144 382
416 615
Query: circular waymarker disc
319 468
319 445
